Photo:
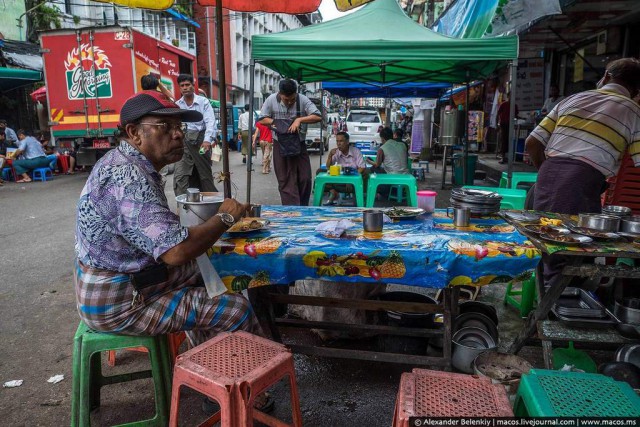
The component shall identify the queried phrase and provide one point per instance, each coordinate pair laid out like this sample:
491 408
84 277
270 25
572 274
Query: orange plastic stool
235 368
63 163
175 341
444 394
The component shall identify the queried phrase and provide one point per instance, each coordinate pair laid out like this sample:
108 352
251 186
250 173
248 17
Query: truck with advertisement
90 73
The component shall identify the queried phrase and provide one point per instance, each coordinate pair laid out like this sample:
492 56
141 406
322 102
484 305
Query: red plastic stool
63 163
175 341
444 394
233 369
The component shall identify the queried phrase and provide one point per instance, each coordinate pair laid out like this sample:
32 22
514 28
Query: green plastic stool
544 393
527 294
517 178
511 198
405 180
323 179
88 379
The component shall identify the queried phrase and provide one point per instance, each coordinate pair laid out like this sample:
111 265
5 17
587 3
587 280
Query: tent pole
252 72
466 135
222 90
512 112
208 21
322 124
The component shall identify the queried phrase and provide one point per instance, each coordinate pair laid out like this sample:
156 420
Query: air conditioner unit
601 43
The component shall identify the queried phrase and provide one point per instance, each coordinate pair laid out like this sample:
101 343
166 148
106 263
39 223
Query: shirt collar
615 87
137 157
341 154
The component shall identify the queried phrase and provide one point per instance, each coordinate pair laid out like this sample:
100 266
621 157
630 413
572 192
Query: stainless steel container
197 212
628 310
372 220
620 211
630 224
599 222
255 211
468 343
193 195
450 129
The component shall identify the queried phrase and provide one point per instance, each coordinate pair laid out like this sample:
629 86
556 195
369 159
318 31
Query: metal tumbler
193 195
461 217
255 211
372 220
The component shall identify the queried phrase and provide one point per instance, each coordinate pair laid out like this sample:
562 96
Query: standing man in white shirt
243 127
194 169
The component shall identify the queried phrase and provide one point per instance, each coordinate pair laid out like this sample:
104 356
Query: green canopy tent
380 43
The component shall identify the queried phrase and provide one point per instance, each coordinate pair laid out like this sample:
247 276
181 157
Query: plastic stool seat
41 174
235 368
404 180
88 378
426 393
512 198
544 393
517 178
323 179
527 294
8 174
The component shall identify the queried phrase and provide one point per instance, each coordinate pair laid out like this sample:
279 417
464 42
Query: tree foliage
41 16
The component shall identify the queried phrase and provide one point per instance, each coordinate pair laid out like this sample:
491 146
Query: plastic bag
216 153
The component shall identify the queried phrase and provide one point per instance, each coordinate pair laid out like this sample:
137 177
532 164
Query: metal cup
193 195
255 211
372 220
461 217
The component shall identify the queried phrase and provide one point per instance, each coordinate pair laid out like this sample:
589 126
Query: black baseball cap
153 103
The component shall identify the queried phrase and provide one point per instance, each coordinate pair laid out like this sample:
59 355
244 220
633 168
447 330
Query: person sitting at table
3 153
344 155
33 156
11 139
392 155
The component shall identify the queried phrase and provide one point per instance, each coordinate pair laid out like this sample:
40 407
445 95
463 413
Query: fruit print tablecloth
426 252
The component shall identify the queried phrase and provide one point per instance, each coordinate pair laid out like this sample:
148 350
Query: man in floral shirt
135 269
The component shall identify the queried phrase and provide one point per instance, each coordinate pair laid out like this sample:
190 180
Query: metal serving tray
576 302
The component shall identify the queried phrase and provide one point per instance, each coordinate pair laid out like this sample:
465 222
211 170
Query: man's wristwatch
226 218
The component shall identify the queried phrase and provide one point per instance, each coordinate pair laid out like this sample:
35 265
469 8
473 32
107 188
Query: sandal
22 181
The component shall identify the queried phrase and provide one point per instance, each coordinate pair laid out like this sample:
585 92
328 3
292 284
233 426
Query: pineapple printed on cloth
426 251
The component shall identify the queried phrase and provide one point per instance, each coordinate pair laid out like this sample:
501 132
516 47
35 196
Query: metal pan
595 234
563 239
546 229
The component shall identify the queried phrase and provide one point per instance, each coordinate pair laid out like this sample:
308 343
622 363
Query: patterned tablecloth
426 252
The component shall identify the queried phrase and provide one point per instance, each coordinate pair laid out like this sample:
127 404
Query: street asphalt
38 319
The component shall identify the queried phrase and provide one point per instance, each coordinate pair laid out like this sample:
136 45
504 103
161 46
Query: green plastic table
323 179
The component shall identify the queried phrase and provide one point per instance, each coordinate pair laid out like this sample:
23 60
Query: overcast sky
329 11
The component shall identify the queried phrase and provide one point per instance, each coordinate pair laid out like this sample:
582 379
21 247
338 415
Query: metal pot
599 222
197 212
630 224
628 310
629 353
468 343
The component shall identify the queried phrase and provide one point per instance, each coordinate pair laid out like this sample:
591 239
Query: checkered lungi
104 301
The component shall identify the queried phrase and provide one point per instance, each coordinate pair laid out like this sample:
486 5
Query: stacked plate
479 202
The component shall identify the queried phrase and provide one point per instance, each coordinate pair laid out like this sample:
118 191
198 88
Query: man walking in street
243 128
286 112
579 144
194 169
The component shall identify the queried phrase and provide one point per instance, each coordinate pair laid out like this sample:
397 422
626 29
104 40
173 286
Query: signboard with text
530 84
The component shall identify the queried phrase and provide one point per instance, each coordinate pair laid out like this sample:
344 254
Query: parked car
313 137
363 125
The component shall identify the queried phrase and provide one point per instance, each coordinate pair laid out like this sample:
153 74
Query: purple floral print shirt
124 223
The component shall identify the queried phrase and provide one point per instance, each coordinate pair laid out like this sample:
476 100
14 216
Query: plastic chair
544 393
8 174
88 378
323 179
511 198
517 178
63 163
404 180
42 174
527 294
235 368
426 393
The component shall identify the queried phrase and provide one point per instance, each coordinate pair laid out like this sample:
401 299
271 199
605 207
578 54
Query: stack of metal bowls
479 202
619 211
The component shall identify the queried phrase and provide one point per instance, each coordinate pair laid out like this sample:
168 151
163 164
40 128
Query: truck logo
88 73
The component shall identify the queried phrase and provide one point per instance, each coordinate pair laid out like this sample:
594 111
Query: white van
363 125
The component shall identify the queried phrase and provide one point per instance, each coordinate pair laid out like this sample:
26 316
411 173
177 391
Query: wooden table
576 267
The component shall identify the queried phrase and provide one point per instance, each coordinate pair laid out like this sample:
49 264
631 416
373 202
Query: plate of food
546 229
566 239
403 212
596 234
248 225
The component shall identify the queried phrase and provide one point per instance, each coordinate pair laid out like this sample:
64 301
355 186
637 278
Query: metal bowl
468 343
620 211
599 222
627 311
629 353
630 224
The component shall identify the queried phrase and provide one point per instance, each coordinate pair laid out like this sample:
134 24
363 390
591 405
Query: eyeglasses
182 127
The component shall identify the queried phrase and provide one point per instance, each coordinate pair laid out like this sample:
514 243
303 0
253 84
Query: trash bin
472 160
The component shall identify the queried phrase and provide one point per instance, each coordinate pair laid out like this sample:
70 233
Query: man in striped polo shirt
581 141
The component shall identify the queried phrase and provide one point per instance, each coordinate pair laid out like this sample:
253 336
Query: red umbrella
39 95
271 6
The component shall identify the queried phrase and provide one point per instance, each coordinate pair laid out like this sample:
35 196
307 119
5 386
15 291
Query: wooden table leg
547 354
450 299
544 306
